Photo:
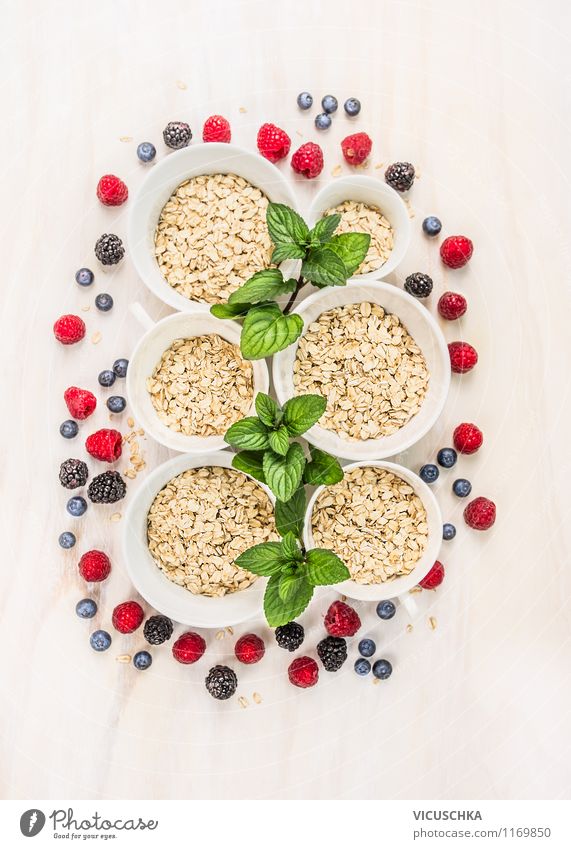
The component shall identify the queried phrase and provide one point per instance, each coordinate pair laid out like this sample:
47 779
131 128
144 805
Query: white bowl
399 586
165 596
426 333
163 179
147 354
376 193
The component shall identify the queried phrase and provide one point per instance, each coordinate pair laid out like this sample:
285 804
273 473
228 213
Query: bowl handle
142 316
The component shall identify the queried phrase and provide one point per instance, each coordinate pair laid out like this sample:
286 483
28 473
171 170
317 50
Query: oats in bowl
201 521
357 217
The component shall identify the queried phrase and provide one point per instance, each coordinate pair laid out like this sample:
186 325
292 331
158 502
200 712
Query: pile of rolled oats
359 217
201 386
369 368
374 521
212 236
201 521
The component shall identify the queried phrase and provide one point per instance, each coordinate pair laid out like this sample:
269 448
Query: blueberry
329 103
382 669
67 539
448 531
86 608
429 473
116 403
323 121
146 152
367 648
104 302
107 377
68 429
386 609
84 277
76 506
462 488
446 458
362 666
305 100
352 106
142 660
120 367
432 225
100 640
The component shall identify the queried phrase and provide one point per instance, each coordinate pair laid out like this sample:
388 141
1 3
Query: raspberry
480 514
341 620
451 305
112 191
94 566
434 577
463 357
80 402
249 649
455 251
216 129
303 672
105 444
127 617
189 647
308 160
273 143
356 148
467 438
69 329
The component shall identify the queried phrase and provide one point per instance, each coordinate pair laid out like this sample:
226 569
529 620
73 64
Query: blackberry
221 682
73 473
107 488
157 630
177 134
290 636
109 249
332 652
419 285
400 176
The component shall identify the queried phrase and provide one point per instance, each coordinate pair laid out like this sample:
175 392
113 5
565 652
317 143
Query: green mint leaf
279 440
324 567
289 251
291 549
234 310
263 559
279 612
290 515
283 474
324 229
267 330
250 462
302 412
351 248
249 433
323 468
267 409
262 286
324 267
285 226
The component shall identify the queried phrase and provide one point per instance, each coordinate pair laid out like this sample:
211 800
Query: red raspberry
467 438
463 357
341 620
189 647
112 191
105 444
80 402
455 251
308 160
480 514
273 143
127 617
303 672
249 649
356 148
69 329
216 129
94 566
451 305
434 577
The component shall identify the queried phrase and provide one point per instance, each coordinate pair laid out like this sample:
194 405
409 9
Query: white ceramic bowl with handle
426 333
402 585
165 596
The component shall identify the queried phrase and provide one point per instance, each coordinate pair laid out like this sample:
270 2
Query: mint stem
293 296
